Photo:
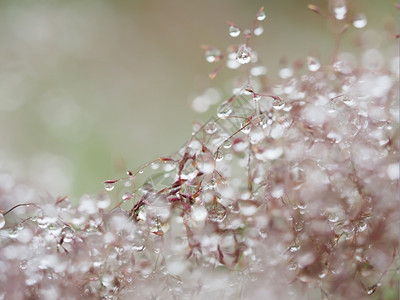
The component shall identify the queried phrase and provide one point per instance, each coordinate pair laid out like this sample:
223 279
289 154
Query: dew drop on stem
333 217
246 126
243 55
227 144
278 103
213 55
211 128
338 9
360 21
372 289
234 31
2 221
218 156
261 16
126 196
216 212
224 110
313 64
109 185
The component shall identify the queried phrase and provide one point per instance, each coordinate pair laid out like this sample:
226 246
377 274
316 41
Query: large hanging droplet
243 55
216 212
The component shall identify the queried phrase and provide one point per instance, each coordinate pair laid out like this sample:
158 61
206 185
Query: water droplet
212 184
323 273
227 144
246 126
362 226
348 101
338 8
141 171
224 110
294 248
243 55
2 221
333 217
258 30
372 289
234 31
211 128
126 196
278 103
23 264
298 226
313 64
68 234
213 55
360 21
261 16
109 185
216 212
218 156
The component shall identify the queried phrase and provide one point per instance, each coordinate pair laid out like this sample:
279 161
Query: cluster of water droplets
292 182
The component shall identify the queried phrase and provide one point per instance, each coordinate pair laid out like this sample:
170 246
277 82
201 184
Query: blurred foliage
90 88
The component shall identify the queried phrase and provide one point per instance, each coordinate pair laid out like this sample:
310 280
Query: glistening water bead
211 128
243 55
338 8
216 212
234 31
278 103
2 221
212 55
224 110
313 64
108 186
261 16
360 20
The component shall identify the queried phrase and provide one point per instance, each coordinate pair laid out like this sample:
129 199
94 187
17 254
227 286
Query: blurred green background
91 88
